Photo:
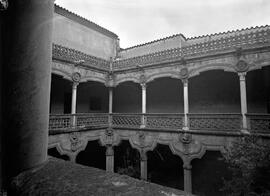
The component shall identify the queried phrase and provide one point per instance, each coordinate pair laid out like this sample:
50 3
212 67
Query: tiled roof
64 12
151 42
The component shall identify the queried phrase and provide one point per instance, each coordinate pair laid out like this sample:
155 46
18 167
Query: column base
244 132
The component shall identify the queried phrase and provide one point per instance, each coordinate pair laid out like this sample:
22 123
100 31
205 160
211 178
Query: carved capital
76 77
109 150
187 166
142 79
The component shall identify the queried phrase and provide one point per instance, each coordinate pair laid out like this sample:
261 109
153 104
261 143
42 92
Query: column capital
143 156
242 75
187 166
143 85
185 81
75 84
109 150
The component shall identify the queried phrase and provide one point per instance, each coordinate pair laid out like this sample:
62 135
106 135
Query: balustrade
222 122
60 121
164 121
126 120
92 119
259 123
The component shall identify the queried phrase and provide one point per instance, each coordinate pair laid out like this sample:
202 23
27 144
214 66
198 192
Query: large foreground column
27 78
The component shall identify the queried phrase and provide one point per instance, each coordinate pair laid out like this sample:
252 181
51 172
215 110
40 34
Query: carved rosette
3 5
142 79
75 142
184 74
241 66
76 77
110 79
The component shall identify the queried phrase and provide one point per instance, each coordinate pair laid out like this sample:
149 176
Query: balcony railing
225 122
258 123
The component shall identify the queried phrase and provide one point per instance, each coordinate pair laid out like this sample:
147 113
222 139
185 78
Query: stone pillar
110 100
74 102
109 158
243 95
187 178
186 105
143 85
143 166
27 79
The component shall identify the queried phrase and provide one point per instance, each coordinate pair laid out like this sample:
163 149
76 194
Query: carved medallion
241 66
76 77
184 73
75 142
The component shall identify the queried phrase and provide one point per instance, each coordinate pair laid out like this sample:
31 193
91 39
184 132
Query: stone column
187 178
243 95
143 85
27 79
186 105
109 158
143 166
74 102
110 100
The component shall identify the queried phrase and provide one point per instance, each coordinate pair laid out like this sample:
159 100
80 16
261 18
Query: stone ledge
58 177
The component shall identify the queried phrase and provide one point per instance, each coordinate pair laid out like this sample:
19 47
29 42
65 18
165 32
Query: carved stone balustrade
218 122
164 121
259 123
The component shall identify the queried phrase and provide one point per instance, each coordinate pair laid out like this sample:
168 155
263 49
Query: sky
140 21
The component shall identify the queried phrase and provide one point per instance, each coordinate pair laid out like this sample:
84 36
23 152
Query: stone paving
58 177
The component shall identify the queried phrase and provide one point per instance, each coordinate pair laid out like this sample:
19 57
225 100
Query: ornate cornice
256 37
74 56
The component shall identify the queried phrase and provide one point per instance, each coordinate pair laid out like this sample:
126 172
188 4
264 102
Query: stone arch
62 73
169 74
218 66
127 79
93 79
60 150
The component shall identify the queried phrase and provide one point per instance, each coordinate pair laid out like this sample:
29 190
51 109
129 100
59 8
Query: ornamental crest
75 142
76 77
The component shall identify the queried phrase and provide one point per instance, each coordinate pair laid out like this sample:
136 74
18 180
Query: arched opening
208 173
165 168
165 95
60 97
127 160
94 155
214 91
127 98
258 90
54 153
92 97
